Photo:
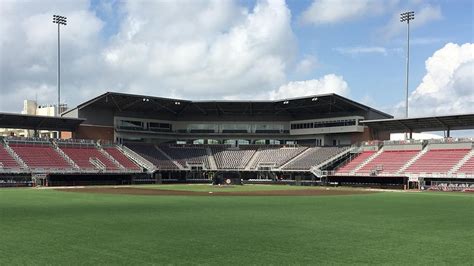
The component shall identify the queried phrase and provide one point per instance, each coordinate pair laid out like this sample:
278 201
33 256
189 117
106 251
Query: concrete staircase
210 158
252 160
411 161
98 164
15 156
335 157
169 158
106 154
373 156
296 158
455 168
64 155
150 167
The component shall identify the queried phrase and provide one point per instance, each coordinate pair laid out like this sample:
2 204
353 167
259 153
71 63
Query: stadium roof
422 124
324 104
36 122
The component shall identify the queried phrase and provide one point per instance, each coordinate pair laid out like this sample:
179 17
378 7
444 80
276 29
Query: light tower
407 16
60 20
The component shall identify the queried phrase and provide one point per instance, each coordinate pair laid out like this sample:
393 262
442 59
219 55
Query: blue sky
374 77
242 50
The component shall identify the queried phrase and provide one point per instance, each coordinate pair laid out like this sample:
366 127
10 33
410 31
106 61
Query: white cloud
423 15
327 84
201 49
447 87
28 50
335 11
417 136
306 65
358 50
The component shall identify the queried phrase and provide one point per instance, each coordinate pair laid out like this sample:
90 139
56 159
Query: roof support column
448 132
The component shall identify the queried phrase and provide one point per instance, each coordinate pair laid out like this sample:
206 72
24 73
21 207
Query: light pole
407 16
60 20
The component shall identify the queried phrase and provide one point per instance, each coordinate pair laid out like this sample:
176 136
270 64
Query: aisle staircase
412 161
373 156
252 160
297 157
15 156
455 168
150 167
64 155
169 158
112 159
210 158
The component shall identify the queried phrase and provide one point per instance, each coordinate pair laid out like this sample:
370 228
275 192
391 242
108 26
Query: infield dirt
166 192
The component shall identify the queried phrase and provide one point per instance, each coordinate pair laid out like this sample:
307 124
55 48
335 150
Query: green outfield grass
52 227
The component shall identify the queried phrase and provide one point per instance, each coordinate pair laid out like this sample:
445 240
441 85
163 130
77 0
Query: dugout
15 180
95 179
393 182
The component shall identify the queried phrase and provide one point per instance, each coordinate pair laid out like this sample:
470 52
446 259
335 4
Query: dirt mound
165 192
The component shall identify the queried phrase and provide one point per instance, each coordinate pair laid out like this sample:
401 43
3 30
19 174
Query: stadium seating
352 165
121 158
40 156
467 167
82 155
276 156
6 160
151 154
388 162
187 154
437 161
312 157
232 158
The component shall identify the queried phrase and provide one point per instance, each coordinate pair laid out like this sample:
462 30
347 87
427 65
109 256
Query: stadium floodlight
407 16
60 20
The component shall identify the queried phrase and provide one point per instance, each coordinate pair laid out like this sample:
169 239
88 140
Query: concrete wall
404 147
463 145
94 132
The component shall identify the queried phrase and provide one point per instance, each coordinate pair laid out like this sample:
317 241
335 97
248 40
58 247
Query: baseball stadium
236 132
134 179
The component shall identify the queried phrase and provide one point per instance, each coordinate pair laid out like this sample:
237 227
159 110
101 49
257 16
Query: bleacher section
388 162
353 164
84 157
6 160
433 159
277 156
312 157
437 161
467 167
153 155
185 155
121 158
40 156
232 158
429 159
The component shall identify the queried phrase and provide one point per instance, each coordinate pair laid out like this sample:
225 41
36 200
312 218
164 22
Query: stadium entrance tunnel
88 179
390 182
